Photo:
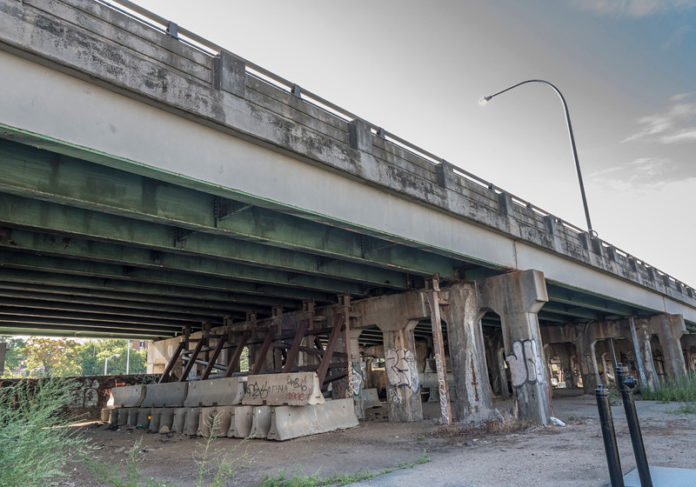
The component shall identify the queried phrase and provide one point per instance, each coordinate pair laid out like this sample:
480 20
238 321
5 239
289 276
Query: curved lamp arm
486 99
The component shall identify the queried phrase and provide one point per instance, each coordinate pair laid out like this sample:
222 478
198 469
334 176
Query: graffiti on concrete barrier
401 368
525 363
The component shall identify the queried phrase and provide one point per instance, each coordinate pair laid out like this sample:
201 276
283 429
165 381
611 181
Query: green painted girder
114 288
70 295
554 318
80 324
574 298
103 308
18 260
74 248
575 312
31 172
57 331
96 316
52 218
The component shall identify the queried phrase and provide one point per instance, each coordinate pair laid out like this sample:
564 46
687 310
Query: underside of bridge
96 244
88 250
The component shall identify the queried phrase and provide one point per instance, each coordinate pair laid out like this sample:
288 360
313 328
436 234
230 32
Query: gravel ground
553 456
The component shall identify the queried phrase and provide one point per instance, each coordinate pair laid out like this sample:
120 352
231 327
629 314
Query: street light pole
486 99
106 361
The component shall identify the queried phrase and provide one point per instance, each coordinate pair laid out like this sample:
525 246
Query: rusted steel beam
439 350
171 363
213 359
237 353
258 362
345 301
328 352
291 358
196 351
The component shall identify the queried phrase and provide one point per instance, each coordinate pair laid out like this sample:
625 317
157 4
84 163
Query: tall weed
35 440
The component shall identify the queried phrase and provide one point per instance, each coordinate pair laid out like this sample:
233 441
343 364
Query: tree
14 353
95 352
52 357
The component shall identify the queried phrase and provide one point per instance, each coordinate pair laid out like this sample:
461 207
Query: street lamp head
485 100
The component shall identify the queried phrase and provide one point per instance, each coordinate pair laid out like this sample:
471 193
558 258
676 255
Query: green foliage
683 390
52 357
219 470
35 441
13 355
125 474
95 352
300 479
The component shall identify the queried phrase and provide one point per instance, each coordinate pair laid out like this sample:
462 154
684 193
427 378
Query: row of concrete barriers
272 406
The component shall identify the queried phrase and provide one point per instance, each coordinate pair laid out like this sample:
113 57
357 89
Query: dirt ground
552 456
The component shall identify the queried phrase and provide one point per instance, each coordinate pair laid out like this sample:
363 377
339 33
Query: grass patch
300 479
683 390
35 440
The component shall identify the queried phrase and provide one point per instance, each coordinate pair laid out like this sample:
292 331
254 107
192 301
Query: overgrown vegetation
683 390
35 440
301 479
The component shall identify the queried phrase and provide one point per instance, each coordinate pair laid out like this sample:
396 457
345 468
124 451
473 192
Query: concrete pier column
502 374
644 334
403 381
465 340
517 297
585 340
669 330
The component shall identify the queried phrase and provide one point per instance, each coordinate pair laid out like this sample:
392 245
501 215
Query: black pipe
610 446
626 383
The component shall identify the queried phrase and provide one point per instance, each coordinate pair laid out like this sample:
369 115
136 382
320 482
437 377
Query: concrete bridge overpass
151 181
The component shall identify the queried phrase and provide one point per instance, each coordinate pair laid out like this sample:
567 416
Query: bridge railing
533 222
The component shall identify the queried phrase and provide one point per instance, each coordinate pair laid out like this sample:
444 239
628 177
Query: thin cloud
632 8
676 125
642 172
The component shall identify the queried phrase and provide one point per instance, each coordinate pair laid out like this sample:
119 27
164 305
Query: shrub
36 442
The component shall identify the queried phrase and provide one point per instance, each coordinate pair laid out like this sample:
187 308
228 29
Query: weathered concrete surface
292 389
517 297
179 420
166 418
215 421
669 330
154 424
127 396
289 422
216 392
396 316
191 421
168 394
142 418
261 421
242 421
472 400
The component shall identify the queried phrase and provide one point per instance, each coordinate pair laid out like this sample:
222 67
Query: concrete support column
517 297
502 372
465 340
669 329
644 335
403 382
585 340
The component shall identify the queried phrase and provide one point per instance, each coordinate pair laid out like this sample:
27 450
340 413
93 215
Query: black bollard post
610 446
626 383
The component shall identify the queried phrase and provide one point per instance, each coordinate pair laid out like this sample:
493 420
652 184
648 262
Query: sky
627 69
